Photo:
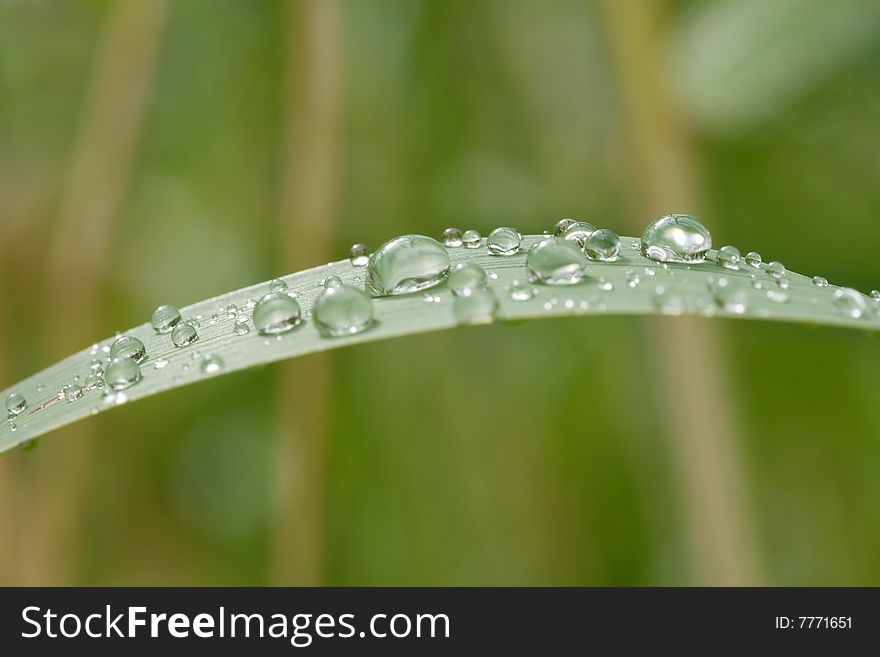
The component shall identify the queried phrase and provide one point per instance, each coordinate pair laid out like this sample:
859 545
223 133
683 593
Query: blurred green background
167 151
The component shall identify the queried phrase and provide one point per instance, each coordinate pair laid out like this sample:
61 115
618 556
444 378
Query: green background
537 454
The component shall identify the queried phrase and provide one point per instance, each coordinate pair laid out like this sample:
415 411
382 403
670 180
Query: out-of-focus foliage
501 455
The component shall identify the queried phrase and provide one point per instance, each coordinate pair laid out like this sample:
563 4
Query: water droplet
753 259
875 295
196 354
579 232
406 264
730 296
471 239
71 392
94 381
276 313
556 261
212 364
479 307
649 272
776 269
161 364
359 255
522 291
849 302
332 281
819 281
164 319
783 283
605 285
343 310
728 257
122 373
452 237
231 311
194 322
465 278
603 245
277 285
15 403
563 225
503 241
667 301
241 328
632 278
777 295
184 334
129 347
676 238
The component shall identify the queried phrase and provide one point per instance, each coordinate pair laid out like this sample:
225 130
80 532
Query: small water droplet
753 259
276 313
15 403
164 319
129 347
196 354
471 239
563 225
676 238
277 285
343 310
465 278
93 381
332 281
556 261
632 278
849 302
503 241
776 269
667 301
757 284
730 296
241 328
161 364
452 237
777 295
728 257
410 263
783 283
819 281
41 387
522 291
231 311
605 285
71 392
579 232
184 334
479 307
603 245
212 364
649 271
875 295
359 255
122 373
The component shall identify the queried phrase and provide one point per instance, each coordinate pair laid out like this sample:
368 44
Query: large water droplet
276 313
478 307
164 319
849 302
503 241
471 239
343 310
15 404
465 278
728 257
579 231
128 346
730 295
603 245
556 261
184 334
122 373
359 255
212 364
452 237
406 264
676 238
